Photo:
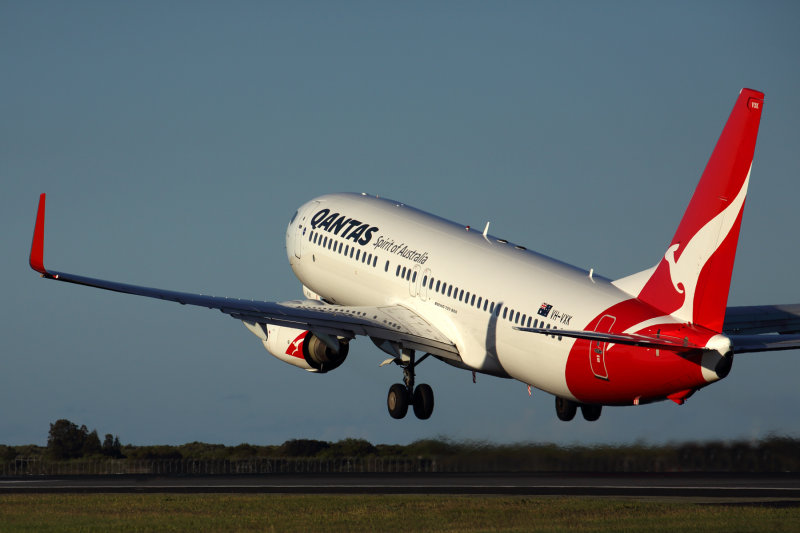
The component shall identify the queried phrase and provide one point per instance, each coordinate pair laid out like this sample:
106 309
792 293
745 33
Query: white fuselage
404 256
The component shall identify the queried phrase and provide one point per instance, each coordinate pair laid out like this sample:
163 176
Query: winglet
37 247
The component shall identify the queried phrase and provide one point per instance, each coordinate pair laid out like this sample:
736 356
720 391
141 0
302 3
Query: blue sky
175 140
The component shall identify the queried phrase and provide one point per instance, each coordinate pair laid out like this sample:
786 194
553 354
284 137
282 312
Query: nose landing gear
401 395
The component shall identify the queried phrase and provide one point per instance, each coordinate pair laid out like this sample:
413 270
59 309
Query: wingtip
37 246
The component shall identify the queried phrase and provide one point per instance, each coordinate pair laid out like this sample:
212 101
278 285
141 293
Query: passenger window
375 262
505 312
386 268
404 273
438 282
466 297
516 318
398 269
358 253
484 304
455 293
461 296
472 303
529 322
449 290
340 247
414 277
346 249
424 280
491 308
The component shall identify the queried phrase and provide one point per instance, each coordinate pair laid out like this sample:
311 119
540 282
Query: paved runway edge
734 486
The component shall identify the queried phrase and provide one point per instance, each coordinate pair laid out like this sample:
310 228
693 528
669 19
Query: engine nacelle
300 347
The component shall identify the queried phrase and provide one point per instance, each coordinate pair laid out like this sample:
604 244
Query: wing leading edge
391 323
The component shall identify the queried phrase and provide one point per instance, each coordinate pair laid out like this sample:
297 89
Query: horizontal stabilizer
632 339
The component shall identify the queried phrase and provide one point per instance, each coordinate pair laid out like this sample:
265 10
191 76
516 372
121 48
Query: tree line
69 442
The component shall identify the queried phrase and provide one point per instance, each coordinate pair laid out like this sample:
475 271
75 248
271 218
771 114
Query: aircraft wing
390 323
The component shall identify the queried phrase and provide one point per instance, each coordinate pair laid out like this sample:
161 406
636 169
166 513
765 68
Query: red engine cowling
300 347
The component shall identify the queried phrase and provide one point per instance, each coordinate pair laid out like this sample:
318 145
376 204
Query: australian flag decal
544 310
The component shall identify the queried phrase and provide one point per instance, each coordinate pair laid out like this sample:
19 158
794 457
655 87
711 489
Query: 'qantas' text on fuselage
334 223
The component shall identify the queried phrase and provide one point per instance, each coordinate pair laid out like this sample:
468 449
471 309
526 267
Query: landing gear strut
566 410
401 395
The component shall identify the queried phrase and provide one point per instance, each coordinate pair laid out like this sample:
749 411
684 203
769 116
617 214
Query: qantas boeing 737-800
418 286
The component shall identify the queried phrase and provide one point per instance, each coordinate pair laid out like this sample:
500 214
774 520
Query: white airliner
418 285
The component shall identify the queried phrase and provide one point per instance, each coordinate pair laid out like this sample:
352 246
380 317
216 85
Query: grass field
233 512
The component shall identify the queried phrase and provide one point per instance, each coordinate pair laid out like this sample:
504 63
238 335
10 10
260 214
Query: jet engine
301 348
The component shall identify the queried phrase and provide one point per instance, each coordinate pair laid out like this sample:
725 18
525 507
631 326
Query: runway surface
735 487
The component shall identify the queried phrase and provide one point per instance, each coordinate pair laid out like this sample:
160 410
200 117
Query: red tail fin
692 280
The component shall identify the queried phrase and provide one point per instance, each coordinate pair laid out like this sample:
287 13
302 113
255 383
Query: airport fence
178 467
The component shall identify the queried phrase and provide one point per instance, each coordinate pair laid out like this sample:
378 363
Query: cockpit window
293 217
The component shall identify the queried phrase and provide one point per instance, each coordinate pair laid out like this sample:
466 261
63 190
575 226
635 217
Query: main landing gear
401 395
566 409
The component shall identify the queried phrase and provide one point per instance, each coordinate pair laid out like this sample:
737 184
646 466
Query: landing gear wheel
423 401
566 409
591 412
397 401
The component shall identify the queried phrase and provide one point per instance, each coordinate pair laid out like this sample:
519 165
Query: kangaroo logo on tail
691 281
